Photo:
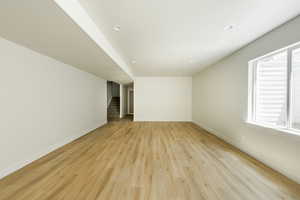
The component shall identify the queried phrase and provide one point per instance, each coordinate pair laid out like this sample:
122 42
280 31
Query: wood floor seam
127 160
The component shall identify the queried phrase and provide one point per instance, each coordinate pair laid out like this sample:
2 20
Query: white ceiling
180 37
44 27
163 37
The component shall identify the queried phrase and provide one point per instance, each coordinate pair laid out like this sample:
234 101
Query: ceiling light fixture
117 28
229 27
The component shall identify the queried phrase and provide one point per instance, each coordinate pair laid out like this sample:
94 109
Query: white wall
125 90
109 92
44 104
220 104
115 89
162 98
122 101
125 96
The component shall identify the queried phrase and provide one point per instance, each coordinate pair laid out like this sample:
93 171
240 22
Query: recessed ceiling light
117 28
229 27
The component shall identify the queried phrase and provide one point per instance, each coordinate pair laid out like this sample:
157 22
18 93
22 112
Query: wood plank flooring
147 161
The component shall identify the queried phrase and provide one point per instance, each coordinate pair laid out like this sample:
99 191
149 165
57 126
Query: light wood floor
147 161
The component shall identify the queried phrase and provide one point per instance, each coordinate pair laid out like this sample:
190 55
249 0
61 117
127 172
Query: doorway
130 101
113 101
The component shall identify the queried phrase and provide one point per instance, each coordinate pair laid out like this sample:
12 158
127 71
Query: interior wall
109 92
122 97
115 89
220 94
125 100
162 98
130 101
125 91
44 104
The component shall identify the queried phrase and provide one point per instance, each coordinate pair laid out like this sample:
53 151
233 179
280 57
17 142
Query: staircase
113 110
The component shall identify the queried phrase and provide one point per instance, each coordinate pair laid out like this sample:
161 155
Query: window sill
285 130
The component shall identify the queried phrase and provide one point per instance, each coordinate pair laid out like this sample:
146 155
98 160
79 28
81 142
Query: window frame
252 81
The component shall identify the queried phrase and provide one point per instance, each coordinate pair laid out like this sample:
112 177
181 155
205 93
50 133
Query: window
274 92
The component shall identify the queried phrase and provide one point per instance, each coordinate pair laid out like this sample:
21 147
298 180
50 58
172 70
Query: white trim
292 46
128 102
109 101
251 86
289 89
163 120
231 141
285 130
121 92
31 158
252 90
218 134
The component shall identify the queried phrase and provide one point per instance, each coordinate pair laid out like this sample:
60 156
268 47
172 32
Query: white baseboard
162 120
231 141
224 137
47 150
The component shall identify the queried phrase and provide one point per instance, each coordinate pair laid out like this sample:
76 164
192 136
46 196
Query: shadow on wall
120 101
113 101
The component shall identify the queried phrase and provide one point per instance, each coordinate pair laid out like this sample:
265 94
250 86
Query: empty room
150 100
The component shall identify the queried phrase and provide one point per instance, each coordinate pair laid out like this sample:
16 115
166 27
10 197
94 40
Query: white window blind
271 89
295 104
274 93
